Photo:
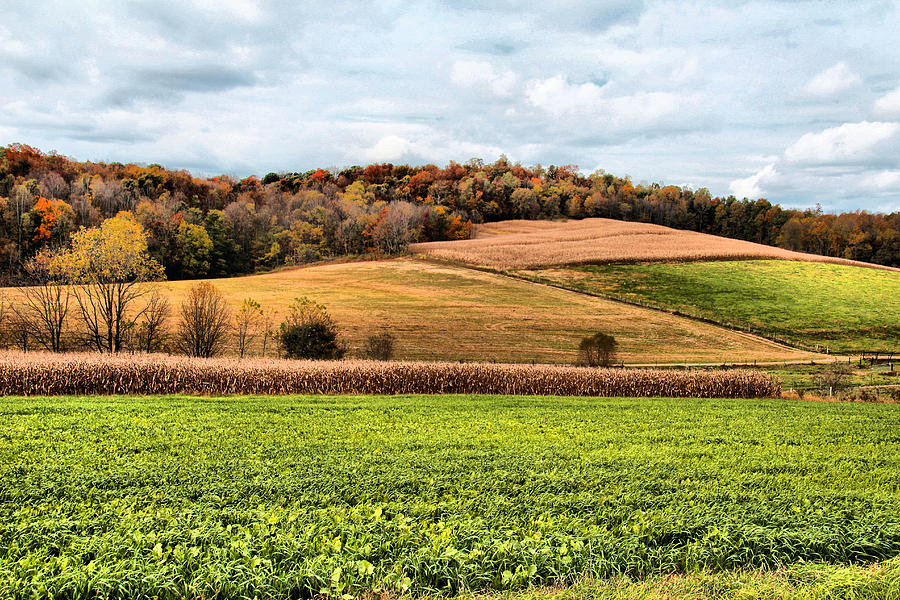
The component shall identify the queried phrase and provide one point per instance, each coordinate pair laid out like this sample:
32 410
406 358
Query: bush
598 350
309 332
380 346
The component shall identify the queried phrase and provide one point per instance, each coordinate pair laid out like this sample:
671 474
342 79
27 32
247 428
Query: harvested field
60 374
531 244
443 312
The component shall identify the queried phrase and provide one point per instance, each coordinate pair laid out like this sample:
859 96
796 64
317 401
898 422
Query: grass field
292 496
531 244
845 308
442 312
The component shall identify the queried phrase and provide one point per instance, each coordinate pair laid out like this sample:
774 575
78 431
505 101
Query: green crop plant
297 496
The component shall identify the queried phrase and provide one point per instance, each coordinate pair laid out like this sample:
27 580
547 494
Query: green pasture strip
177 496
848 309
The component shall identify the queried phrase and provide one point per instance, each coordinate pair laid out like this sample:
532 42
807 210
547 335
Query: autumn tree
43 310
107 265
246 324
204 321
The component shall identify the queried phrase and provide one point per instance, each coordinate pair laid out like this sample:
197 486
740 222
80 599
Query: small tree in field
204 321
42 313
380 346
598 350
309 332
151 331
246 324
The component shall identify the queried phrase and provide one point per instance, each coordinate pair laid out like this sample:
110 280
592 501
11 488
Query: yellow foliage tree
106 266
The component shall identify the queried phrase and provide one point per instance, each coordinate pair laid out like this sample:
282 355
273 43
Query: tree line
97 294
220 226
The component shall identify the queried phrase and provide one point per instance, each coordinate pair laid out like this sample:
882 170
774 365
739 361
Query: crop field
442 312
533 244
296 496
847 309
57 374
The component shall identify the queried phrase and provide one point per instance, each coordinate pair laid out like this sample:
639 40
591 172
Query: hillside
846 308
531 244
451 313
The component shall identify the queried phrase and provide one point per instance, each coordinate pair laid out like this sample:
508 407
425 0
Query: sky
795 101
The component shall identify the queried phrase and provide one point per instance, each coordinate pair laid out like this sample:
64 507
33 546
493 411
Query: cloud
850 143
663 91
388 148
481 76
750 187
889 104
593 105
172 82
832 80
883 180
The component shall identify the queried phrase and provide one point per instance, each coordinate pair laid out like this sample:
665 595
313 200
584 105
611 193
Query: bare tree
42 312
246 324
267 330
151 331
203 323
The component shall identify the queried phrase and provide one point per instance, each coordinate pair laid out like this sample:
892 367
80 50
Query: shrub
380 346
598 350
309 332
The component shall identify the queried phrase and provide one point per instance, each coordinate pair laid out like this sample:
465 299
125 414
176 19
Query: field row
57 374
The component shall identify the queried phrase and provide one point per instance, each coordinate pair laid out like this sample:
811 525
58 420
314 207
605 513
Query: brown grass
443 312
66 374
527 244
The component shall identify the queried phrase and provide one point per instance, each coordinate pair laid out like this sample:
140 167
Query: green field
848 309
295 496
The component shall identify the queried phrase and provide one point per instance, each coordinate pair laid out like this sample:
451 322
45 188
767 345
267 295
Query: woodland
221 226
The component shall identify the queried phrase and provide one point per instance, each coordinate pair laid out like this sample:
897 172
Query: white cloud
481 75
388 148
832 80
847 144
889 104
883 180
750 187
559 98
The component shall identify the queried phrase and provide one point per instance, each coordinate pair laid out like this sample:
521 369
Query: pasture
845 308
177 496
443 312
534 244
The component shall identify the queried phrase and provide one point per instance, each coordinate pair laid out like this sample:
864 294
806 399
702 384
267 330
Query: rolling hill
802 299
447 312
534 244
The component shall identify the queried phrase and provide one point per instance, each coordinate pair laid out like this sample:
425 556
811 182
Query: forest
221 226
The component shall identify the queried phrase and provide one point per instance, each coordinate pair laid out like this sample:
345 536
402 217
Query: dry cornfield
528 244
64 374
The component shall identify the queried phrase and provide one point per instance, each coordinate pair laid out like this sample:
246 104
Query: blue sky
796 101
